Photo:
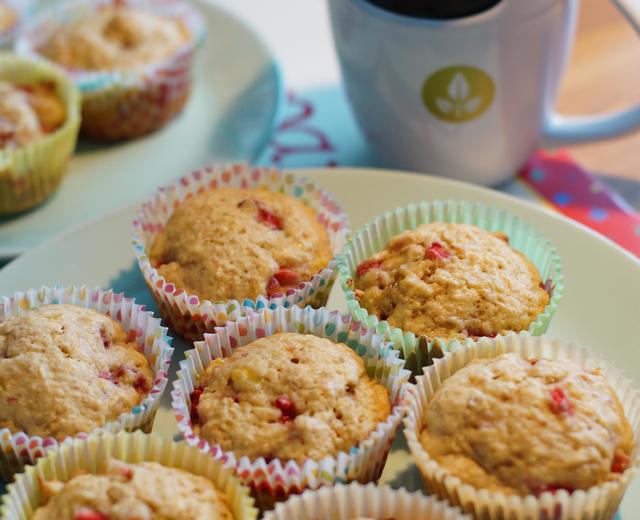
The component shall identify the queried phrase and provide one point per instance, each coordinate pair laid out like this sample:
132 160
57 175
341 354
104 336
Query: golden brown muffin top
451 281
525 426
240 243
291 396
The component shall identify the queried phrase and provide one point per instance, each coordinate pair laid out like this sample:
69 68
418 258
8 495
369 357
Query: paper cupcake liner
91 455
31 173
597 503
419 351
275 480
18 448
187 314
125 104
348 502
22 9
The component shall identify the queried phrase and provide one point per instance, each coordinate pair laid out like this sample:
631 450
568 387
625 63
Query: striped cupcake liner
419 351
91 455
276 479
191 317
29 174
597 503
116 104
18 448
347 502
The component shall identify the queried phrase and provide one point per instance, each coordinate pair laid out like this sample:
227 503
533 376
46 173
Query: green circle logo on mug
458 94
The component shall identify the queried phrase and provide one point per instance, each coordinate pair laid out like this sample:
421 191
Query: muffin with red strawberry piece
234 244
143 490
497 424
288 396
66 370
452 281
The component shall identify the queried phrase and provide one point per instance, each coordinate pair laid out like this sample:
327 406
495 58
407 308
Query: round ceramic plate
600 307
235 104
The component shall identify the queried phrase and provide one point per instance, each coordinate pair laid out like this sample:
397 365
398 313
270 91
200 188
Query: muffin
493 444
448 280
434 274
39 120
132 61
293 398
226 240
117 37
126 476
144 490
75 360
527 425
28 112
288 396
232 244
9 17
67 369
363 502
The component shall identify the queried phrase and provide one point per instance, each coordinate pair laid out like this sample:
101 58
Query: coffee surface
437 9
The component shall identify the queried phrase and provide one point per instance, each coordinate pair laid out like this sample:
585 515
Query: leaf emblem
458 88
444 105
459 93
471 105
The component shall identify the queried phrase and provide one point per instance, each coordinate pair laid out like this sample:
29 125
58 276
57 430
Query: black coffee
439 9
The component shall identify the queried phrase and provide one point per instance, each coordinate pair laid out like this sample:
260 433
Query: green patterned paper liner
278 478
124 104
91 455
186 313
31 173
420 351
17 448
346 502
596 503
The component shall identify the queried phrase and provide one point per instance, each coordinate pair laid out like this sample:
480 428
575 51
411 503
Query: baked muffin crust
116 38
451 281
65 370
291 396
522 427
240 243
144 491
28 112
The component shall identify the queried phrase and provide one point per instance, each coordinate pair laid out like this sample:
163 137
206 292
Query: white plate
233 110
600 308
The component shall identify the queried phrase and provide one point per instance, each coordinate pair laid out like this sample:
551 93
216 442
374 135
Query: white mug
469 98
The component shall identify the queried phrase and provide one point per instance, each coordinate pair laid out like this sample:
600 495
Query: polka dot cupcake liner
596 503
116 104
91 455
29 174
191 317
276 479
419 351
348 502
18 448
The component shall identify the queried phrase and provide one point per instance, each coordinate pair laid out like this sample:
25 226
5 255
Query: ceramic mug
469 98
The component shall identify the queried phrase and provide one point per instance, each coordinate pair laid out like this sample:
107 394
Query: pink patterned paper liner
18 449
186 313
347 502
279 478
124 104
596 503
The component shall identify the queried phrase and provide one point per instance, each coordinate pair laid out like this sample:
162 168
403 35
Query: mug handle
574 129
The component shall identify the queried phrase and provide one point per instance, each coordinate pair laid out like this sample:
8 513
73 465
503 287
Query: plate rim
452 183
